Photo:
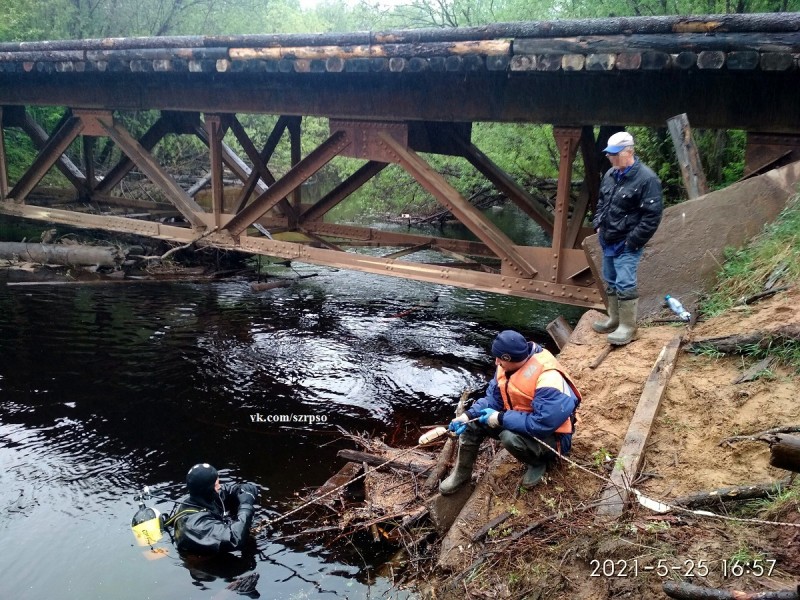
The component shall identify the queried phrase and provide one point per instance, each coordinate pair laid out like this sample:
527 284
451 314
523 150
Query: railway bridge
390 98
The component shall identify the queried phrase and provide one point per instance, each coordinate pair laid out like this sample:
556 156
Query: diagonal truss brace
440 189
304 169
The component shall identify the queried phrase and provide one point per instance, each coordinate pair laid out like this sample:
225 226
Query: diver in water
214 518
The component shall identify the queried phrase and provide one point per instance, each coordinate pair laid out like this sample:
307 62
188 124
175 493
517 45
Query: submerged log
60 254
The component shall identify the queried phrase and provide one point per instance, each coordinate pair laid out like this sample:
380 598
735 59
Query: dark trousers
522 447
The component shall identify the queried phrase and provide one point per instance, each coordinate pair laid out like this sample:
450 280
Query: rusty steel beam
469 216
64 164
342 191
263 158
379 237
442 274
513 191
304 169
148 141
47 157
567 140
589 190
145 161
215 133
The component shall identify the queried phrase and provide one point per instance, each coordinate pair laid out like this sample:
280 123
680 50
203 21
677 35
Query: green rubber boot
627 323
533 475
611 323
463 471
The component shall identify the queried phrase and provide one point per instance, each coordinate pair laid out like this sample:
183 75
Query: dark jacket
205 525
630 209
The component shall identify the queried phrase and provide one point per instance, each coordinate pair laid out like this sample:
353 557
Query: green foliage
774 252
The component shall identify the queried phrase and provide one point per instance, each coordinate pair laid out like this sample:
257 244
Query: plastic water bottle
677 308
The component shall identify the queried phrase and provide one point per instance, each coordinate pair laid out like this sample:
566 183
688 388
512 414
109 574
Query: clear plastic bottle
677 308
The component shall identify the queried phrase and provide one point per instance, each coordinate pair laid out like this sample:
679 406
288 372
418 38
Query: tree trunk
69 255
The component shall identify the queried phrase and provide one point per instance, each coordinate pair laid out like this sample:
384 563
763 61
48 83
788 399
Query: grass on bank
771 257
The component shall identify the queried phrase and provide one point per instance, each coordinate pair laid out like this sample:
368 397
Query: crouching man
530 402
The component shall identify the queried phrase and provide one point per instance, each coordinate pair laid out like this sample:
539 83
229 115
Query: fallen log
687 591
61 254
766 294
736 344
759 437
372 459
730 494
785 452
348 472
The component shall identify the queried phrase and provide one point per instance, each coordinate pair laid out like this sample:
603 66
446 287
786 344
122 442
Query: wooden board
615 496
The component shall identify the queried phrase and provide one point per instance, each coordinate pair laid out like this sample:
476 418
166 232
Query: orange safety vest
518 390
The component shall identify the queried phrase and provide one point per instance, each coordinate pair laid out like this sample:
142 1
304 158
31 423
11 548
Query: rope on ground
664 507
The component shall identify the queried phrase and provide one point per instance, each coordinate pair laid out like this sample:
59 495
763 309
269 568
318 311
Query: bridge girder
493 264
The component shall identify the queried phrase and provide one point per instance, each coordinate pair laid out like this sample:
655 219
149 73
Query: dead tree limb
446 455
762 295
172 251
372 459
687 591
730 494
757 437
735 344
601 357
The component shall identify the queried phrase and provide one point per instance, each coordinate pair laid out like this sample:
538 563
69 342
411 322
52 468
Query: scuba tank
146 523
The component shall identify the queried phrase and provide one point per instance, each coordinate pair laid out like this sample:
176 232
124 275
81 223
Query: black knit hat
511 346
201 479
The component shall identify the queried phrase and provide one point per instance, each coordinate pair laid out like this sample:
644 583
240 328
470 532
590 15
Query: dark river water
107 388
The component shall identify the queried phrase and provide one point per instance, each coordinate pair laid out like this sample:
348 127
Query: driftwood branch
172 251
758 437
735 344
446 455
687 591
372 459
730 494
762 295
601 357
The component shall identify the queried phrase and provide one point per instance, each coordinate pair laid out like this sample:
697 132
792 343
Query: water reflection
106 388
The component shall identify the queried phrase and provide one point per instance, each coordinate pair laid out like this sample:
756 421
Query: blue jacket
550 408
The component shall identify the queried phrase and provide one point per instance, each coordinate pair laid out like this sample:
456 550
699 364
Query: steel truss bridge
389 97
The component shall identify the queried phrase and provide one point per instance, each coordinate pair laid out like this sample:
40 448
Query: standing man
530 402
205 522
628 213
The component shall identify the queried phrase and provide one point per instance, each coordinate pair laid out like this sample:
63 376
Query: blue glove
490 417
459 425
